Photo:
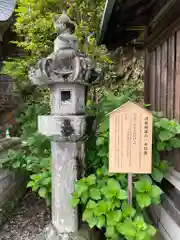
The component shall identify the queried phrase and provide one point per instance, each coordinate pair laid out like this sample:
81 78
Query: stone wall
12 185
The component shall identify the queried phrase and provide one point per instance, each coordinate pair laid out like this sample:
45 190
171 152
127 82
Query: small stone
6 226
6 235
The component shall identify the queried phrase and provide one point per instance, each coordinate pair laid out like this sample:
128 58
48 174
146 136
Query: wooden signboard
130 143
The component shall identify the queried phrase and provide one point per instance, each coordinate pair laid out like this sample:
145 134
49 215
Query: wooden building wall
162 78
162 91
7 96
7 49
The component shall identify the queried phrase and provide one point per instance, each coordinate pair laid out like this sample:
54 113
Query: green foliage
146 192
165 138
35 155
35 158
104 199
97 144
166 131
35 35
27 113
104 195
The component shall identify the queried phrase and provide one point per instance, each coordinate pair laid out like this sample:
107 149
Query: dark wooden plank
172 194
171 209
161 89
166 26
164 78
153 80
146 78
177 95
162 13
177 78
170 80
158 78
170 200
150 88
156 81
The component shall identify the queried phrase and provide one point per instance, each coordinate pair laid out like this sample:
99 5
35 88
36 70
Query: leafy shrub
165 138
101 192
35 154
35 35
35 158
104 195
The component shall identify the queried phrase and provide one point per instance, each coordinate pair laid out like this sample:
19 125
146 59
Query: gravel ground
28 220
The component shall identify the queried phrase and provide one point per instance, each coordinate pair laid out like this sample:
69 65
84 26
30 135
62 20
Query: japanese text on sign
130 146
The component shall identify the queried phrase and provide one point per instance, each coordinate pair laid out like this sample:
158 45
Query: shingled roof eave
109 4
6 9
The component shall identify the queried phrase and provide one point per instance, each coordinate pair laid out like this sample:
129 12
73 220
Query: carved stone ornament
66 63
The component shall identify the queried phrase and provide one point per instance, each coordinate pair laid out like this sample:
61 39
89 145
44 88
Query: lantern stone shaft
66 71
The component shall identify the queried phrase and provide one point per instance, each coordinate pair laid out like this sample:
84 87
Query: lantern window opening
65 96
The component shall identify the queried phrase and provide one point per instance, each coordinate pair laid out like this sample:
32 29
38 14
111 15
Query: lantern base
84 233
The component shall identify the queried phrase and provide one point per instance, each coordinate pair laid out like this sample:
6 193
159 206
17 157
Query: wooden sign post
130 141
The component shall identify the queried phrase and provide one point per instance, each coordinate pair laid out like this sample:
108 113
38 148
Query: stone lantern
66 72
